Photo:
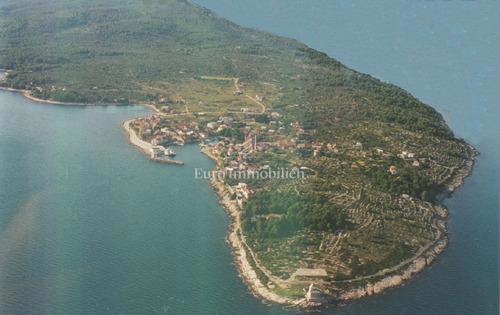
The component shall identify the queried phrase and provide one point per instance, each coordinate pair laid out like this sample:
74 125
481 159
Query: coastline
134 139
429 255
28 95
240 255
395 278
144 146
391 278
244 267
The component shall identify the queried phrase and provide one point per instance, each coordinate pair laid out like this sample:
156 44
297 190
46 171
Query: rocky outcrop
430 255
314 296
391 281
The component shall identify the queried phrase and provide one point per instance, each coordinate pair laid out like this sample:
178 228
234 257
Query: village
246 141
237 141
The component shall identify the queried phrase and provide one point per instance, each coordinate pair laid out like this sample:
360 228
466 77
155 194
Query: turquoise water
88 225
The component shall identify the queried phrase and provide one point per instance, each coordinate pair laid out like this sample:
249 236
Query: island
375 162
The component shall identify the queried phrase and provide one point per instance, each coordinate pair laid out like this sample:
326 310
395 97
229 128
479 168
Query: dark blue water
88 225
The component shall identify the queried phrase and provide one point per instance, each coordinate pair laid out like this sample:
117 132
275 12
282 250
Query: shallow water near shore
89 225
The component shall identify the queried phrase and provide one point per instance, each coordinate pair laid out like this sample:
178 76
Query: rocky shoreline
395 279
245 268
240 255
459 178
428 256
234 238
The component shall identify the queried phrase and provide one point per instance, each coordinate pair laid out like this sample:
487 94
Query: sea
89 225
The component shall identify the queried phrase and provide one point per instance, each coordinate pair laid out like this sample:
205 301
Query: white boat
169 152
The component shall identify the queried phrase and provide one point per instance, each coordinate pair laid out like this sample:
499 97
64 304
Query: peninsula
366 216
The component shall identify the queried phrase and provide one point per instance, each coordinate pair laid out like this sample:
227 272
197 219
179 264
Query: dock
147 147
167 161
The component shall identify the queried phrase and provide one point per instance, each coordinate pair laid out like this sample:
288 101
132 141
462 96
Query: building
147 132
393 170
406 155
211 125
157 151
243 190
275 115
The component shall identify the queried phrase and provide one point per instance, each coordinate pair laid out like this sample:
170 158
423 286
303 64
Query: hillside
377 157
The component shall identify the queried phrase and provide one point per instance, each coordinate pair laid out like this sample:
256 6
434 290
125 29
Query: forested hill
118 44
377 156
106 51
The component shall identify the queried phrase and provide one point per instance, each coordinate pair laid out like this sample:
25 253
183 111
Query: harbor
156 153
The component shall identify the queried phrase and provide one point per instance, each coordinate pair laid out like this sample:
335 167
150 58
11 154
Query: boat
169 152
